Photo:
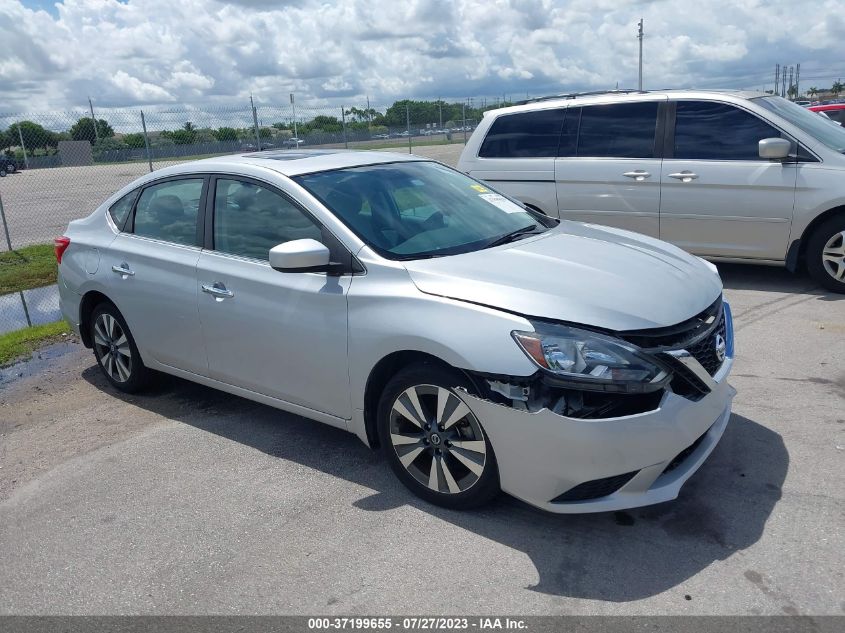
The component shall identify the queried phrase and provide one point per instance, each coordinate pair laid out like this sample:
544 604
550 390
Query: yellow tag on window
479 188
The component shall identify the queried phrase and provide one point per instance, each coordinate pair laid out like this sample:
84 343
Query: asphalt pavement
186 500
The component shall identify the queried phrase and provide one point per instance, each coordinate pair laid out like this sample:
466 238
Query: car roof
610 96
294 162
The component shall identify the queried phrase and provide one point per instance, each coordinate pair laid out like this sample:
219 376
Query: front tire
115 350
433 442
826 254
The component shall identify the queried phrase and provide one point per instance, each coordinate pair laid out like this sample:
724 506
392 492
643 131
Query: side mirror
300 256
774 148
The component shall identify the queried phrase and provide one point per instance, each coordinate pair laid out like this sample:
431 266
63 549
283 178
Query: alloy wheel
112 348
437 439
833 256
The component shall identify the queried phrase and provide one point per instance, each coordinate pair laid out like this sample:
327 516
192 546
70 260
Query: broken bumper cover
543 455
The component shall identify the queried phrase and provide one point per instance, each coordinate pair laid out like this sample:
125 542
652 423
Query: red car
835 111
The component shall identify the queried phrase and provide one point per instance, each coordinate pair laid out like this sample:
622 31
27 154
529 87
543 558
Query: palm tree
813 91
837 87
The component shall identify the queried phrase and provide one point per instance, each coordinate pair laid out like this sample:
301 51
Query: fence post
464 108
5 225
23 147
146 141
25 309
408 126
343 120
255 122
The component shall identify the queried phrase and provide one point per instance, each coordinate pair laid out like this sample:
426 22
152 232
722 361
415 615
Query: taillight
61 244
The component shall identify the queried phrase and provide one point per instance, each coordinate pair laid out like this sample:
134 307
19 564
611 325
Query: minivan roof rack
573 95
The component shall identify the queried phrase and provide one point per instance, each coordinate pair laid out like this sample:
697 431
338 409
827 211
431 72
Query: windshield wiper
512 236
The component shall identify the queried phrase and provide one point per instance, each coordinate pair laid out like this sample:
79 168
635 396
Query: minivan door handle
637 174
218 291
684 176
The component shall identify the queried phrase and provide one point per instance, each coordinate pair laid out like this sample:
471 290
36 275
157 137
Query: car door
608 166
718 197
280 334
152 272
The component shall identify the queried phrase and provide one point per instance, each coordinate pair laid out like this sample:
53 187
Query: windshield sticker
479 188
503 203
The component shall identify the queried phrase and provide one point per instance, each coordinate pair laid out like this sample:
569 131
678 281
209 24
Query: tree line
39 140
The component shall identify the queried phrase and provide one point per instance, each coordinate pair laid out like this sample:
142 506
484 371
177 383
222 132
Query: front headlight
593 360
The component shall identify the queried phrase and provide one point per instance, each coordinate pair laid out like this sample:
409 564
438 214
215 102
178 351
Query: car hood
579 273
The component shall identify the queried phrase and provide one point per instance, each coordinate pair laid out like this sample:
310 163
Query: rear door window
706 130
524 135
618 130
168 211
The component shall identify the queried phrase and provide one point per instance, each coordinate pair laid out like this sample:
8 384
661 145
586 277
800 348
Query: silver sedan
481 345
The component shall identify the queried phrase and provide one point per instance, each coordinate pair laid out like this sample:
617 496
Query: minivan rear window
524 135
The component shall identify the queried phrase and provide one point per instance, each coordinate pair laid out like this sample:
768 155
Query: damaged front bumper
573 465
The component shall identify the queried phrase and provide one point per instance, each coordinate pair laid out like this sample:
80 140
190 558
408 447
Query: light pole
640 37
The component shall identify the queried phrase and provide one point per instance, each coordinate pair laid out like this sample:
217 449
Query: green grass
29 267
14 345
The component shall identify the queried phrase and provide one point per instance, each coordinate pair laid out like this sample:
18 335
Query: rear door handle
637 174
684 176
123 269
218 291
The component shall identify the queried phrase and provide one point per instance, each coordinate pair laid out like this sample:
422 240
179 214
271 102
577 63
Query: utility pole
640 37
293 105
93 120
789 91
777 79
797 78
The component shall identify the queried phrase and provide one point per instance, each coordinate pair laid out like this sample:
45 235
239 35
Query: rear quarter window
119 211
524 135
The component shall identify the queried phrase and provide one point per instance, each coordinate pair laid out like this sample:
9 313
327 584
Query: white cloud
133 53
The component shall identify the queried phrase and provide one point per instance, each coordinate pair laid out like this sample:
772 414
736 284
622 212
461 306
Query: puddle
30 307
38 363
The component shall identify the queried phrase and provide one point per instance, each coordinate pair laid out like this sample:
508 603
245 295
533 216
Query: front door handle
637 174
123 269
218 291
684 176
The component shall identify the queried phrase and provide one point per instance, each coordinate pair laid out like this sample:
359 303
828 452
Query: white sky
166 52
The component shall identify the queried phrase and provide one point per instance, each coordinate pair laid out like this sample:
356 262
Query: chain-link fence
56 167
59 166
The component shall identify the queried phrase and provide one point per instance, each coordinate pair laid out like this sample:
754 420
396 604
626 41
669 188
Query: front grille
674 336
705 350
681 457
595 488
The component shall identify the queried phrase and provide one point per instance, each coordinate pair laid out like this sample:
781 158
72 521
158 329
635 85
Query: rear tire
2 172
433 442
826 254
11 168
115 350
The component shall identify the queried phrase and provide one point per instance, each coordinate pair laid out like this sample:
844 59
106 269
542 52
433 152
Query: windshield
412 210
820 128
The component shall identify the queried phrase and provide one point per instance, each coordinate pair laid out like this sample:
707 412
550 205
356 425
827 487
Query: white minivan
730 176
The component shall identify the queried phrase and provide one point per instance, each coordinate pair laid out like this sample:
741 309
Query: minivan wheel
11 168
115 350
2 172
826 254
433 442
